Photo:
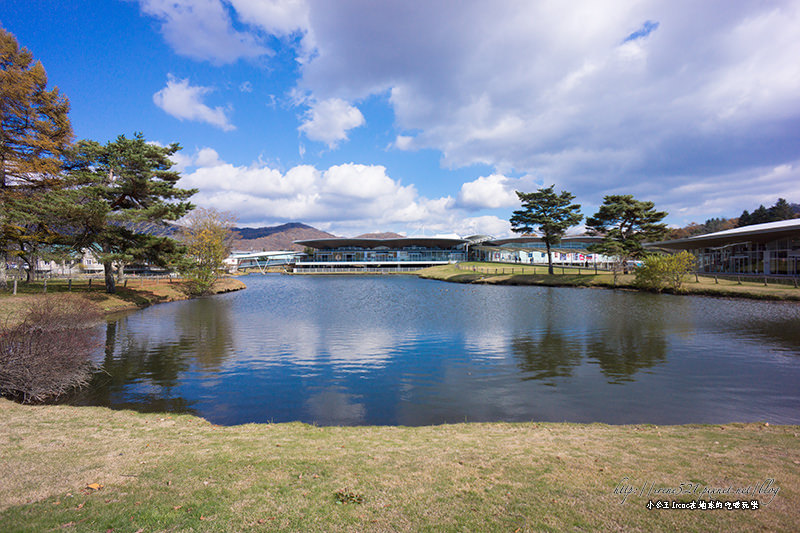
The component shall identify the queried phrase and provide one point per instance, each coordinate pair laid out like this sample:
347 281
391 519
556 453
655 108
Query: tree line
59 197
781 210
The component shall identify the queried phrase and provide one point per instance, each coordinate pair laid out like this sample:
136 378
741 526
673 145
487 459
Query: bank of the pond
504 274
93 469
137 293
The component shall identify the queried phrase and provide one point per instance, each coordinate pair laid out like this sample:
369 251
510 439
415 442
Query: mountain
384 235
276 237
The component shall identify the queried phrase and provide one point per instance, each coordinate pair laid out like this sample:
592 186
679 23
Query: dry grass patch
161 472
139 293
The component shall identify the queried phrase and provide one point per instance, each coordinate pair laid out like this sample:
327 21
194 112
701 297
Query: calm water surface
401 350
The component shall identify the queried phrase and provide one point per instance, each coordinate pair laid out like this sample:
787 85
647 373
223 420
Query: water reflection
336 408
548 356
633 337
144 363
400 350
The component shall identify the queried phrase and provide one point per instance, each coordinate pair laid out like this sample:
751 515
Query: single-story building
771 249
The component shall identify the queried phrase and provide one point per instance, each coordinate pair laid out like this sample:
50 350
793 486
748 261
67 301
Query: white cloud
185 102
277 17
202 29
489 192
597 98
346 199
328 121
594 97
404 142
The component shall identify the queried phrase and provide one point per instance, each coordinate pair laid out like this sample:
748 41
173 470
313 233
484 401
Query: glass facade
417 254
774 258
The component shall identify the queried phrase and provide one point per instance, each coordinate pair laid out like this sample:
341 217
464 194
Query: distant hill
276 237
384 235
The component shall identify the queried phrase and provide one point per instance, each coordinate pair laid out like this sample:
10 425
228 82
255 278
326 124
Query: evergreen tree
625 224
34 133
781 211
760 216
124 188
552 214
744 219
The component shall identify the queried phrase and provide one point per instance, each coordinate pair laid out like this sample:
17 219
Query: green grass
506 274
161 472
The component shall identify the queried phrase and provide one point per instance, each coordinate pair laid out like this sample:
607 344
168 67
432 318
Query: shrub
662 271
48 353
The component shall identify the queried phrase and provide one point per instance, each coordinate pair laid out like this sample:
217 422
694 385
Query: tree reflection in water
145 370
621 345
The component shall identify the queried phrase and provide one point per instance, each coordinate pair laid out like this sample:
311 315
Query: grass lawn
135 294
93 469
507 274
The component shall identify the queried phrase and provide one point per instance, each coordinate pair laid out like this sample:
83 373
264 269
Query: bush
662 271
48 353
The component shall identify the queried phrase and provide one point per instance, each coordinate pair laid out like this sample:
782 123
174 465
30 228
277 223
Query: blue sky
425 117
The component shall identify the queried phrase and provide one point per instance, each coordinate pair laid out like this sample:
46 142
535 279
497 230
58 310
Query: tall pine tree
625 225
549 213
34 133
125 187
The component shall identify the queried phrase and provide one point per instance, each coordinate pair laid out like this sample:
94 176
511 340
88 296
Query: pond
399 350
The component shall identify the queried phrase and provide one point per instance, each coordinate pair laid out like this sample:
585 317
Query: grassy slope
138 293
162 472
493 274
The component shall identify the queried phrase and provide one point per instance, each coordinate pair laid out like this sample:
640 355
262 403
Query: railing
353 270
527 268
784 279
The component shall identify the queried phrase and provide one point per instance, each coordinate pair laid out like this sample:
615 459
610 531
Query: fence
531 269
750 278
85 282
353 270
568 269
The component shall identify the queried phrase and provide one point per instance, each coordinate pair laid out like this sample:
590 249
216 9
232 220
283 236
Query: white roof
756 228
760 232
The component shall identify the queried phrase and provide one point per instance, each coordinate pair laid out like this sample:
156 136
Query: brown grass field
94 469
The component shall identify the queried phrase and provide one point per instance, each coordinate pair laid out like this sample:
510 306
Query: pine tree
744 219
125 187
34 133
781 211
552 214
625 224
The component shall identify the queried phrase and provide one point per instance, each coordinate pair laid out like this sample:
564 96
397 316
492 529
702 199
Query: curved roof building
769 249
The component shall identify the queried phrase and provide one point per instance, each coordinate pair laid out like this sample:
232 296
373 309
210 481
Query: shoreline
705 286
139 294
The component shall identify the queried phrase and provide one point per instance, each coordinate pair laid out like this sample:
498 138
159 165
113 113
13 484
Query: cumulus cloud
489 192
202 29
597 98
277 17
346 199
329 121
185 102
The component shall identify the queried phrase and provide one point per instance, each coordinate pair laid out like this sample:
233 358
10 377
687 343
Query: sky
425 117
